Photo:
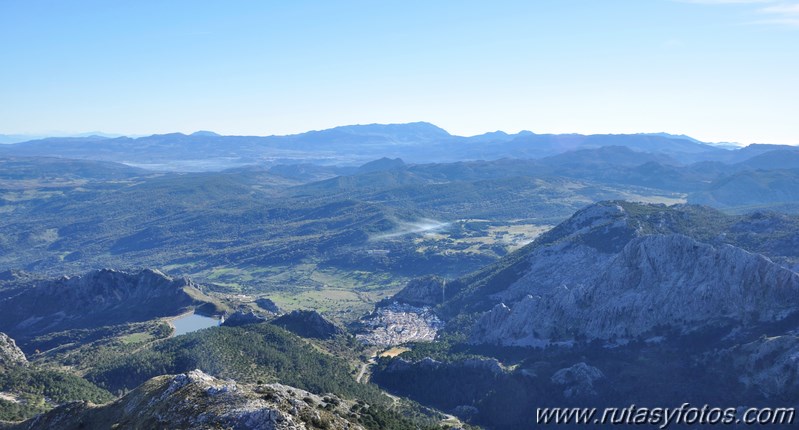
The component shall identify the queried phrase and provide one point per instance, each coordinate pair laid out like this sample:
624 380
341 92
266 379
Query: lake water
192 322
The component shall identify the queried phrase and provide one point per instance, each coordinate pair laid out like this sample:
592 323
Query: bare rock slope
195 400
99 297
10 354
307 323
603 276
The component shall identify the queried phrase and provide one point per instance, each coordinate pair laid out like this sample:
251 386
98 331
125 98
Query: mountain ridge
655 281
197 400
353 144
103 297
610 260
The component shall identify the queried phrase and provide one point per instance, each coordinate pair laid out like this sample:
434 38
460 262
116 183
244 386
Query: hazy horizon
716 70
20 138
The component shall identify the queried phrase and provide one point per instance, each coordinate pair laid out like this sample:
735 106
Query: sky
717 70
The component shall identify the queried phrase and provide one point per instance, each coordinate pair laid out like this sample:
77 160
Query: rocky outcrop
198 401
13 275
425 291
309 324
769 365
578 380
99 297
488 366
268 305
655 281
10 354
606 274
241 317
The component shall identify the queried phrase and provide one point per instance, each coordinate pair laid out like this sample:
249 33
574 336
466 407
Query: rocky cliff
601 275
424 291
97 298
10 354
768 365
307 323
577 380
243 317
195 400
268 305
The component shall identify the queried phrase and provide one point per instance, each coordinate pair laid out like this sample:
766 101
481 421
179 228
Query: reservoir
192 322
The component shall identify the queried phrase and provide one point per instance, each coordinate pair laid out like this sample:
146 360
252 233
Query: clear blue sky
719 70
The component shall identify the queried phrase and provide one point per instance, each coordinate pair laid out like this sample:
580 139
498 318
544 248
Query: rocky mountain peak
578 380
105 296
243 317
424 291
110 287
10 354
604 226
198 400
145 278
268 305
654 281
307 323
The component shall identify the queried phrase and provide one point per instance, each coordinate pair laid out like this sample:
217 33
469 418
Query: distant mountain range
355 144
620 302
16 138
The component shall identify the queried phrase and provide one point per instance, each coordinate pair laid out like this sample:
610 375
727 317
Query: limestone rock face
771 365
655 281
240 318
268 305
195 400
489 366
599 275
99 297
578 380
12 275
10 354
425 291
109 286
309 324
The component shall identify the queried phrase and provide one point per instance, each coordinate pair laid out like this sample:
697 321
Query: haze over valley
520 261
